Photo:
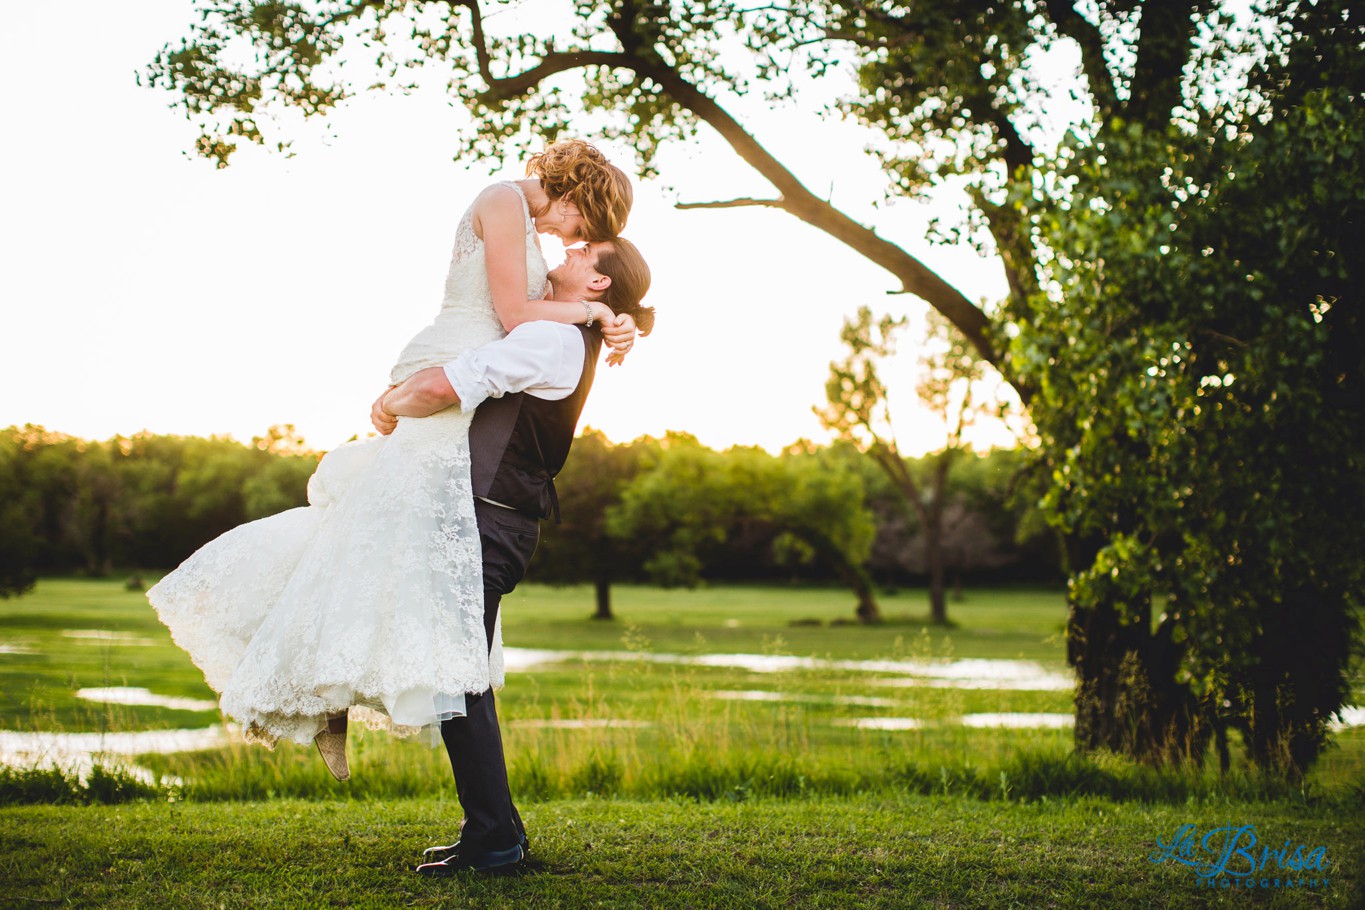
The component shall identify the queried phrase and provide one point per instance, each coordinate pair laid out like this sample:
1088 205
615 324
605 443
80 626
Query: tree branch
915 277
551 64
1011 241
889 457
732 204
1164 46
1018 153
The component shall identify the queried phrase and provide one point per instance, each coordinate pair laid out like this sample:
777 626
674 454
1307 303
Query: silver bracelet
587 306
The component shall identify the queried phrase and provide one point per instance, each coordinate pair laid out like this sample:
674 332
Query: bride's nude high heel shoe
331 743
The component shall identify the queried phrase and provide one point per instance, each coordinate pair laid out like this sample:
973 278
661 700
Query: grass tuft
106 784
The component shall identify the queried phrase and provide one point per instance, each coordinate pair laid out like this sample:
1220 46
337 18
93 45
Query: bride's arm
498 220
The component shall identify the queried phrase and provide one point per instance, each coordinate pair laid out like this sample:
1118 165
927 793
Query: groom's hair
620 261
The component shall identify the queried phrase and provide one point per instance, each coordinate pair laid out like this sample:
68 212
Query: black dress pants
474 741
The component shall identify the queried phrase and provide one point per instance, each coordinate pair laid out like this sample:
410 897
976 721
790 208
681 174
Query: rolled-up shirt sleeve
541 358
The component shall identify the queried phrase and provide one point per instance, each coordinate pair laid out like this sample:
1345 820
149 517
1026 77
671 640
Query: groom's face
578 276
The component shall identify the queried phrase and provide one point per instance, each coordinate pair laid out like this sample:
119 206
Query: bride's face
564 221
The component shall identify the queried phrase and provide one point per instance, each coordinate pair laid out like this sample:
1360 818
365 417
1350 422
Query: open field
670 773
858 852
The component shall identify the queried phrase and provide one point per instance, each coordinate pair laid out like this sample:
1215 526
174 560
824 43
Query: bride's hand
619 334
383 421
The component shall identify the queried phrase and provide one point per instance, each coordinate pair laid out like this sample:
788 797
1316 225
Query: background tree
1215 315
132 502
859 412
1003 535
691 504
579 549
19 540
996 531
279 481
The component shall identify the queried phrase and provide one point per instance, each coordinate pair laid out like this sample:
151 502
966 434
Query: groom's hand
383 421
420 395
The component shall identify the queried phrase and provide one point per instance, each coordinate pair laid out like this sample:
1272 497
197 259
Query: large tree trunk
938 587
867 610
852 574
602 588
1295 680
1127 698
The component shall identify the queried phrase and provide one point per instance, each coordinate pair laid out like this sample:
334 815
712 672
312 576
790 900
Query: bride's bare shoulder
498 203
502 195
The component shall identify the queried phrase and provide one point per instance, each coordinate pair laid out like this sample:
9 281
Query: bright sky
142 288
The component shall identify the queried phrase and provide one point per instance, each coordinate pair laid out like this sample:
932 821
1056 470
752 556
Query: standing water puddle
131 695
108 637
1019 721
77 752
971 673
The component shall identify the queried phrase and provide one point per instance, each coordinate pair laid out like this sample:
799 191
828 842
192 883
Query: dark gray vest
519 442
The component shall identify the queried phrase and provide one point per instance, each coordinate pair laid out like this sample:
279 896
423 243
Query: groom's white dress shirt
544 359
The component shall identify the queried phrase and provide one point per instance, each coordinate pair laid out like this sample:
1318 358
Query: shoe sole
437 870
345 772
509 869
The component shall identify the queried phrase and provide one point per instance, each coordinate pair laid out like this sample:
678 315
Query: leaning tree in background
858 411
959 89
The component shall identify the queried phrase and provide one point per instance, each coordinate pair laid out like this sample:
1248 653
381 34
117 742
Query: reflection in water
130 695
882 723
1350 717
759 695
1019 721
77 752
972 673
110 637
1014 721
581 723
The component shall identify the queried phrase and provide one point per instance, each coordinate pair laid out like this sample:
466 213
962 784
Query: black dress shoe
441 854
464 860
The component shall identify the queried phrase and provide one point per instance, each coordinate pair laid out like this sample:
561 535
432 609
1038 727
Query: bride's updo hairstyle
573 170
620 261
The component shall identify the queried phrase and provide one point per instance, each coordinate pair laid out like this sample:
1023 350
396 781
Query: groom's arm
420 395
542 358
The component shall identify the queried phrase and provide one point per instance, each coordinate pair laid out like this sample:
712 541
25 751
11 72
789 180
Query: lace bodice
467 318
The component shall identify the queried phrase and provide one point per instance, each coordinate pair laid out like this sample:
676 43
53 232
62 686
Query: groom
529 389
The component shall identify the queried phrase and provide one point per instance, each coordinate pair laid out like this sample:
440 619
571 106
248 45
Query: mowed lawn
653 781
856 852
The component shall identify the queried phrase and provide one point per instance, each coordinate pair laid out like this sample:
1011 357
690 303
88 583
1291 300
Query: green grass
1001 623
37 690
681 740
868 851
704 802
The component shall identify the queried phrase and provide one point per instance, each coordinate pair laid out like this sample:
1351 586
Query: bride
372 594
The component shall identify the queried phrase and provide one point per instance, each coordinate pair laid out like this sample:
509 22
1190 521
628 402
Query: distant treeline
667 511
134 502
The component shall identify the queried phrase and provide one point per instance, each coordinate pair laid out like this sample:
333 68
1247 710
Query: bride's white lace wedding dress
372 594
